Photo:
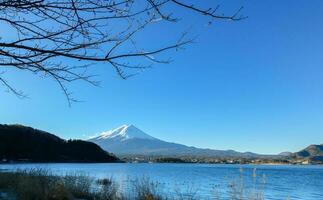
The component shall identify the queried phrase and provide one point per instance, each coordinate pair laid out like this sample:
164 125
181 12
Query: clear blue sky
254 85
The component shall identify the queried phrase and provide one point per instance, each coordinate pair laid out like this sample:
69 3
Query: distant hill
313 153
21 143
312 150
128 140
285 153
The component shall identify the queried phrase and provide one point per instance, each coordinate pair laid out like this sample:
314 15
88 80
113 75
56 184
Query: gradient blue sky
254 85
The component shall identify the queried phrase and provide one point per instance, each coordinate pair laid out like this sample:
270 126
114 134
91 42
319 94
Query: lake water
206 180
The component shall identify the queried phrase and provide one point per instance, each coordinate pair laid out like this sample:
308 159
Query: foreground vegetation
40 184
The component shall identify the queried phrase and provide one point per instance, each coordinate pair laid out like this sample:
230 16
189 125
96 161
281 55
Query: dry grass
37 184
238 190
42 185
145 189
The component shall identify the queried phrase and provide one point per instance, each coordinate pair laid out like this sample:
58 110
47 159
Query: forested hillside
21 143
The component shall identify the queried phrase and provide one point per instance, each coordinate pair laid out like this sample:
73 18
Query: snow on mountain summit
124 132
129 140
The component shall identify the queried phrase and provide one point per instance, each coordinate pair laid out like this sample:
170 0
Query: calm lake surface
281 182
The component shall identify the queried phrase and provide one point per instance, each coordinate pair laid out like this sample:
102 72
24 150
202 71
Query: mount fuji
128 140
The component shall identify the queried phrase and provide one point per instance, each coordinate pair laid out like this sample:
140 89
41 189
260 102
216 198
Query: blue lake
206 180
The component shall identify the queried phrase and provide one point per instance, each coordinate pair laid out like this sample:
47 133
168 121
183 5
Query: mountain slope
312 150
285 153
313 153
129 140
23 143
125 132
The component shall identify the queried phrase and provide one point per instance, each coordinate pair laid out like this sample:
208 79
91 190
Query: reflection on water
295 182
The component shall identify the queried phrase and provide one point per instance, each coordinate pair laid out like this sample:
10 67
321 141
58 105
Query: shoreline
198 163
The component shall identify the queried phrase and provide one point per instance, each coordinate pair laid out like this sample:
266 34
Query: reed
39 184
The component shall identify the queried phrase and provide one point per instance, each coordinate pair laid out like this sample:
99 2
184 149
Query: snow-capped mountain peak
129 140
124 132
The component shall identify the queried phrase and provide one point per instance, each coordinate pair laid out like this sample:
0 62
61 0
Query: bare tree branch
46 36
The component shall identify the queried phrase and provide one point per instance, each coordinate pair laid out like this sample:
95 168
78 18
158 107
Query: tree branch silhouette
48 35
